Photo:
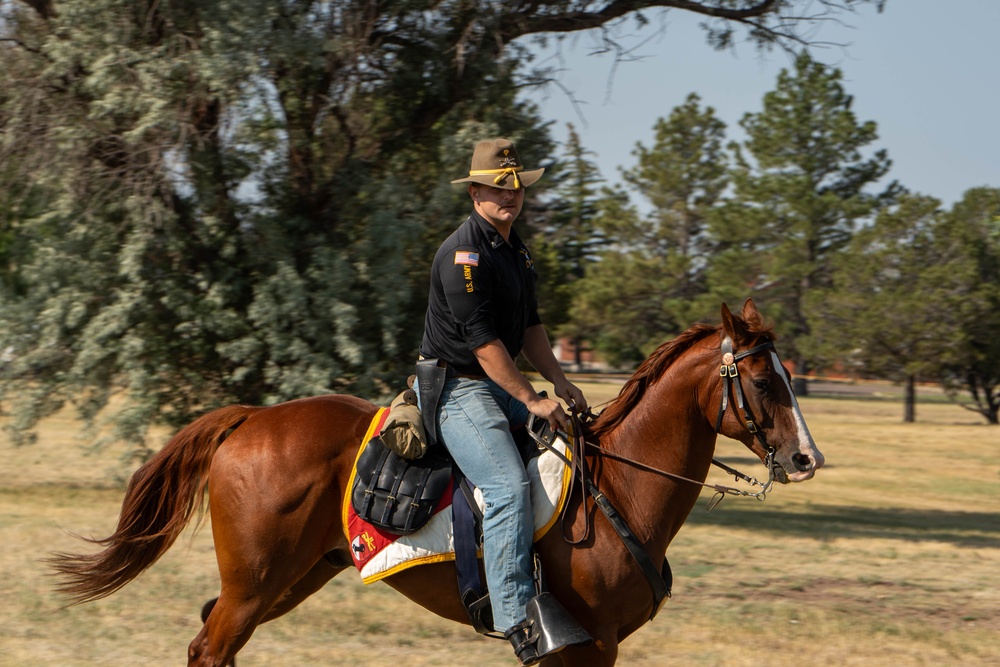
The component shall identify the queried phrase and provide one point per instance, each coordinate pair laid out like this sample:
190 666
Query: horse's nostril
802 462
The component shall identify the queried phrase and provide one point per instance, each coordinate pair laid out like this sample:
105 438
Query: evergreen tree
568 241
801 186
646 284
220 228
617 306
974 224
899 300
683 176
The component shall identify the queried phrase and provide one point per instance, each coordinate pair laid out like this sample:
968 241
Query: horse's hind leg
206 611
317 577
227 628
321 573
231 619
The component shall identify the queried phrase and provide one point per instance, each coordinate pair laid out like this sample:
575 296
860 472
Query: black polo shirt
482 289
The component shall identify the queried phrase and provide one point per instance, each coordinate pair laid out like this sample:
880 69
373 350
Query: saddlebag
395 494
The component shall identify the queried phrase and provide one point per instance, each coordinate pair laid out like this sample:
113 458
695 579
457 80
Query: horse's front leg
602 653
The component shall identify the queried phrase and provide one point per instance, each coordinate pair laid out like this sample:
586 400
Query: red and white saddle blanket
378 554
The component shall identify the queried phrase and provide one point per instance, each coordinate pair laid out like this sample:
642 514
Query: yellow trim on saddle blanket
434 543
369 434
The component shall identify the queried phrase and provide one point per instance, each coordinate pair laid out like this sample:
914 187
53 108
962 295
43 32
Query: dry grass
889 557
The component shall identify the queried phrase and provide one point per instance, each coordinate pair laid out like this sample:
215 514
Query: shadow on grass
827 522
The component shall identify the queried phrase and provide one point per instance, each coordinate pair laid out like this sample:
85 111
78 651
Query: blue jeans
474 417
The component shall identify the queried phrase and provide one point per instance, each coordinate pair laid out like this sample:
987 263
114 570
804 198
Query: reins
720 490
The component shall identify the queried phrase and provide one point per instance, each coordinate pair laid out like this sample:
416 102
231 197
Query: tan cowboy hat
496 163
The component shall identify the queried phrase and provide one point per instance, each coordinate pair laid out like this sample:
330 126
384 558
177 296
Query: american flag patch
466 257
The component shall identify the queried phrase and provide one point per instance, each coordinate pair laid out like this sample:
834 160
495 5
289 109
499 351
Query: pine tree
898 303
568 240
683 176
802 183
974 224
645 287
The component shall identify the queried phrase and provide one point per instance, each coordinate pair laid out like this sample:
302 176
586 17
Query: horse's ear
729 323
751 315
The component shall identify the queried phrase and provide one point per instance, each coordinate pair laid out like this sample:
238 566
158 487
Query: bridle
731 384
730 375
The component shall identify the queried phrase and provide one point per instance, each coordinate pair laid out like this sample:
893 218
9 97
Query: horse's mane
653 368
648 373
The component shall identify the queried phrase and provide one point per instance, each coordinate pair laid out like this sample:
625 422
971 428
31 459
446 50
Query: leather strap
431 376
475 597
366 507
658 583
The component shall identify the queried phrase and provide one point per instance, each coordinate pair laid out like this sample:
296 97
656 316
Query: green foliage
915 296
973 225
803 192
243 202
889 311
568 240
656 263
610 297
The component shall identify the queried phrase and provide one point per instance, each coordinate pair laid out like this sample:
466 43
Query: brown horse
276 479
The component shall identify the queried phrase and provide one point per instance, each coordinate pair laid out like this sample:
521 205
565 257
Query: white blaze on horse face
807 446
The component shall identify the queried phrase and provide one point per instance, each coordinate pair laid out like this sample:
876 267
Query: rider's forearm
499 366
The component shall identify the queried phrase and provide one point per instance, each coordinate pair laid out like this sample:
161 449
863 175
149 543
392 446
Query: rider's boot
524 643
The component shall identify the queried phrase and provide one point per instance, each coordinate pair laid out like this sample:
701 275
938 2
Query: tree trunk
910 400
992 405
799 384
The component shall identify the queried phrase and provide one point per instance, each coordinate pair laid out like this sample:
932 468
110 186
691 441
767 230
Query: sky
926 72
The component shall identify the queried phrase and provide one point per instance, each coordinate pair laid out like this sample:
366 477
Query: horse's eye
762 385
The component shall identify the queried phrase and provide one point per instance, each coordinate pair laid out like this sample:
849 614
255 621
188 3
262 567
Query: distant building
577 359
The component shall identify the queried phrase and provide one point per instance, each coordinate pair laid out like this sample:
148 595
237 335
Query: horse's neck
666 430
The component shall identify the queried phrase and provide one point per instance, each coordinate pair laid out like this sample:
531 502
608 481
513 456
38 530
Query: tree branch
519 24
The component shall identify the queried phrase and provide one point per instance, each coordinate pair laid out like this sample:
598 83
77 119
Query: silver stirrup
554 627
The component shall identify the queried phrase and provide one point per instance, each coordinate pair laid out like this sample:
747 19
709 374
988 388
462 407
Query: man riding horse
481 313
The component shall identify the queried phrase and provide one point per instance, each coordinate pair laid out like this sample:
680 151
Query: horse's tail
161 497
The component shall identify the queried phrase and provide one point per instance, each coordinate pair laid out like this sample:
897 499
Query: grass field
890 556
